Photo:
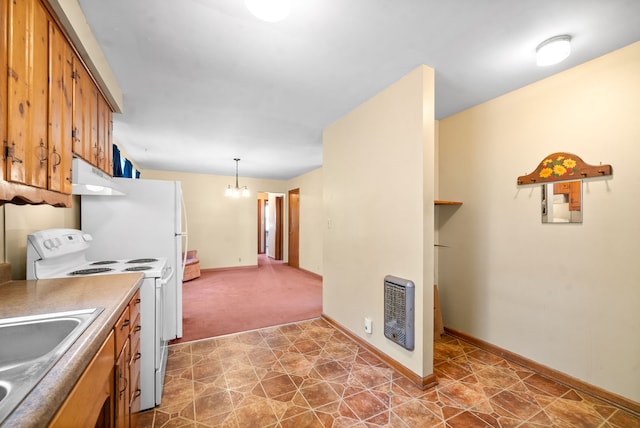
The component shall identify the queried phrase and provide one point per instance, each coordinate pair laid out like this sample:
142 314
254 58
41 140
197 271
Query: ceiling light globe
553 50
269 10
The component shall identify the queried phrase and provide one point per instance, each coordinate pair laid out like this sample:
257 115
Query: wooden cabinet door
134 371
104 124
28 75
83 110
60 111
4 31
92 397
92 122
109 143
122 387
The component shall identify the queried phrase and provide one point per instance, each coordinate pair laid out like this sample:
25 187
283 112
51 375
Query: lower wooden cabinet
127 368
108 392
91 400
134 372
122 387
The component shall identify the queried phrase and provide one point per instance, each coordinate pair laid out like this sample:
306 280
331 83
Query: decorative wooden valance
563 166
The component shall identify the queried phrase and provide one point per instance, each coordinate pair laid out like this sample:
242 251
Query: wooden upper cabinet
50 108
28 73
81 110
104 133
4 30
91 120
92 123
60 112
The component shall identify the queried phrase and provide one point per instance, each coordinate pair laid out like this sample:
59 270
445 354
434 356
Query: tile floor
310 375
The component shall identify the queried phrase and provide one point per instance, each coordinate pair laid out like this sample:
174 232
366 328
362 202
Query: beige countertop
33 297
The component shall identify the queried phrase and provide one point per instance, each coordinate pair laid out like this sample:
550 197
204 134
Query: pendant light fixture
235 192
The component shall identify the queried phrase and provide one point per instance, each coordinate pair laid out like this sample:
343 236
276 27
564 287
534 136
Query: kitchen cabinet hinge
74 74
9 153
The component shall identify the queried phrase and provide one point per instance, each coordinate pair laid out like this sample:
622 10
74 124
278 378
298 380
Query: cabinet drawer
135 333
134 374
122 330
134 306
134 407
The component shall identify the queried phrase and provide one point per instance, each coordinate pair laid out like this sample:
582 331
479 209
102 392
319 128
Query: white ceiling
204 81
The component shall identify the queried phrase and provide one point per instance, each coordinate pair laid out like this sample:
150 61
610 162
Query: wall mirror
562 202
561 175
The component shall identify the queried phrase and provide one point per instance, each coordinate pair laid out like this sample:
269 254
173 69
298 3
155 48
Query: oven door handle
167 275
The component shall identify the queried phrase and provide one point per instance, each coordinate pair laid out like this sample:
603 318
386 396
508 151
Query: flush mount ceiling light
269 10
235 192
553 50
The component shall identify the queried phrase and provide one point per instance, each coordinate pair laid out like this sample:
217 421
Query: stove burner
104 262
137 268
90 271
142 261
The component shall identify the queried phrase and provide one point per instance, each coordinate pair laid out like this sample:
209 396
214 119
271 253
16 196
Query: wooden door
279 223
261 229
60 111
294 228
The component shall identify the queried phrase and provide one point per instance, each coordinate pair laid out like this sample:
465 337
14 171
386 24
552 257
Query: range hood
89 180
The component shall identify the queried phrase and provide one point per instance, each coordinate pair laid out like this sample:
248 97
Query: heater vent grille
399 308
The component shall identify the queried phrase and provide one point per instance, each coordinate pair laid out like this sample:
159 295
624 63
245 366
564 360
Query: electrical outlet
368 327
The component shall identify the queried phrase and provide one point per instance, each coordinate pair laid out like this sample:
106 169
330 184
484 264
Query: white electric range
60 253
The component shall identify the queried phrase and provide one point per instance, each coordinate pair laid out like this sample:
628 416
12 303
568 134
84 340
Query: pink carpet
233 300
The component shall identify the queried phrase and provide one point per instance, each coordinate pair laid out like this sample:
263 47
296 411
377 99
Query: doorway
294 228
271 224
263 205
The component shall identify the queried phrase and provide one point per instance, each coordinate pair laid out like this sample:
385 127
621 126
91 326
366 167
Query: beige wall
223 230
378 182
21 220
564 295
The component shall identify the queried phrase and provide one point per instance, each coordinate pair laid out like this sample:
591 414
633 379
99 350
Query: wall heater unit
399 310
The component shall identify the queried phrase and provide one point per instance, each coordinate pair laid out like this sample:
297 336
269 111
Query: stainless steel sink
30 346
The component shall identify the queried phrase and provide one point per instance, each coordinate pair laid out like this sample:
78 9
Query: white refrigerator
149 220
